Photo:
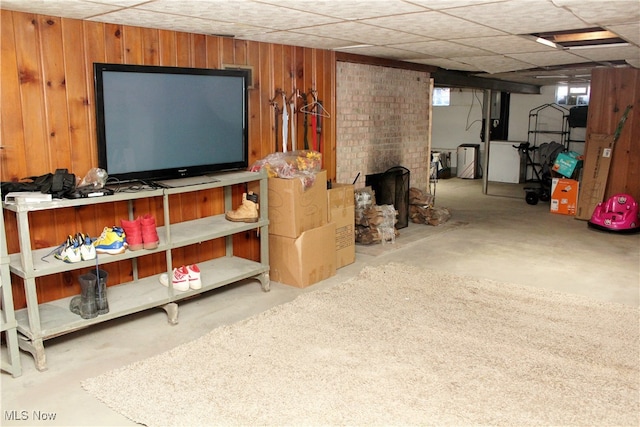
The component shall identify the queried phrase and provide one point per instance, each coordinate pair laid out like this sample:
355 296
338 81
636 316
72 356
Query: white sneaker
179 279
194 277
87 250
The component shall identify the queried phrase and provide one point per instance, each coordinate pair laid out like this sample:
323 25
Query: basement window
441 97
573 94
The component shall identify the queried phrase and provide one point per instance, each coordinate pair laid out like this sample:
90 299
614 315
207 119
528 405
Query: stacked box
564 196
341 209
301 239
295 207
305 260
566 163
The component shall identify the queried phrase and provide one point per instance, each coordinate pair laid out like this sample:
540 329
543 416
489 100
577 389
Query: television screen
157 123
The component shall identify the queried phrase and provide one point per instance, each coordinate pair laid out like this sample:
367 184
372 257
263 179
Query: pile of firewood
374 223
422 211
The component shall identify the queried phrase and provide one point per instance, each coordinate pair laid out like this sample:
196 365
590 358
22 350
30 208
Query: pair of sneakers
75 249
183 278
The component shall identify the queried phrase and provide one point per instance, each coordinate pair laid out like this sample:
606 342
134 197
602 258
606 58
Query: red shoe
133 233
150 237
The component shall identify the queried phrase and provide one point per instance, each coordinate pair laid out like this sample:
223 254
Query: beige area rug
398 345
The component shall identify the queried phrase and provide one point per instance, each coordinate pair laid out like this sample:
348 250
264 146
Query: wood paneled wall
48 120
612 90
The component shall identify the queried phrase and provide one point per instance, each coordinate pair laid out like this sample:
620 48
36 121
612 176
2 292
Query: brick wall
382 121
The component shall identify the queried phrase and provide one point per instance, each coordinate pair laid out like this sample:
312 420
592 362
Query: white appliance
504 162
468 164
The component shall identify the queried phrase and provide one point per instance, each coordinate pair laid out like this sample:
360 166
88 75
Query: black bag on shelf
57 184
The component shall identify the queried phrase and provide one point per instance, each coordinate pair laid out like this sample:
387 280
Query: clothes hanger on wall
315 107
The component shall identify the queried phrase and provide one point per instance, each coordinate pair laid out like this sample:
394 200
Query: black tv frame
179 171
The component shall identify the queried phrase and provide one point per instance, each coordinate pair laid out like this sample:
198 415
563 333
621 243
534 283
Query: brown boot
247 211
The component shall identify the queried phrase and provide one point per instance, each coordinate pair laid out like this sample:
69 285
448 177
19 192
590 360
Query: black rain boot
85 303
101 291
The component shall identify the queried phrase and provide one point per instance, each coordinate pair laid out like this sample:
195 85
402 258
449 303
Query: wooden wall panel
48 120
612 90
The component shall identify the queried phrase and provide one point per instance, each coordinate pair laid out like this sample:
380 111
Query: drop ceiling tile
447 64
608 53
121 3
442 49
520 17
149 19
495 63
434 25
240 11
295 39
544 59
349 10
603 12
634 62
68 8
629 32
362 33
383 52
449 4
505 44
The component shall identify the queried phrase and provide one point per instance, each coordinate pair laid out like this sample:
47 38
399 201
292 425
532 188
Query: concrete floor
495 236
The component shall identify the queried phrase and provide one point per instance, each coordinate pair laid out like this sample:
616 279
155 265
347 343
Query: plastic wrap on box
301 164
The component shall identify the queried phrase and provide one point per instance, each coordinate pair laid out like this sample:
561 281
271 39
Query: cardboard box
597 162
294 209
566 163
564 196
305 260
341 205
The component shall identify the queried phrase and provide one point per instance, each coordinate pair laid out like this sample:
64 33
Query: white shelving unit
40 321
8 325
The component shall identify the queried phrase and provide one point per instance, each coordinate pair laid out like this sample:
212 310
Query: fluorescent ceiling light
546 42
594 46
355 46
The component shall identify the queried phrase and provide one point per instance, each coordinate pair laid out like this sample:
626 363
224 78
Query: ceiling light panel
520 17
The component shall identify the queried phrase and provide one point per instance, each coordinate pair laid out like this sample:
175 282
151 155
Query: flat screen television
158 123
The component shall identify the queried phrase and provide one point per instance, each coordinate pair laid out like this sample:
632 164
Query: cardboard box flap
341 195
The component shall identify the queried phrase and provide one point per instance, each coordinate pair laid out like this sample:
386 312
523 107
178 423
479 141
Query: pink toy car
618 214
